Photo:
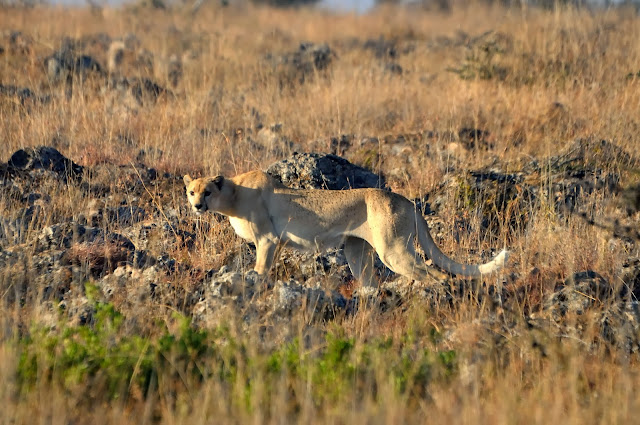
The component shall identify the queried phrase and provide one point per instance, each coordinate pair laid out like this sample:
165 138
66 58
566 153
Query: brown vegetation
434 101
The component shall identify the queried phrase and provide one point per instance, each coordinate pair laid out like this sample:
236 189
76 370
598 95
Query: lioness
263 211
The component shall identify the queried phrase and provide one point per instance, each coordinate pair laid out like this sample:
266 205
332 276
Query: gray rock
27 276
235 285
288 295
18 230
147 235
592 153
253 296
78 309
96 251
124 215
319 304
318 171
569 179
587 299
306 265
63 235
135 284
620 326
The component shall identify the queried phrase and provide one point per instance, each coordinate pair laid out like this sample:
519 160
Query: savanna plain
510 127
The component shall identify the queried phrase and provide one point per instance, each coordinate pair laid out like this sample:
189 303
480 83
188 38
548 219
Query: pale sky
349 5
359 6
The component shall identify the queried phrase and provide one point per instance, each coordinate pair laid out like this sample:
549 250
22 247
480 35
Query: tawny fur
365 221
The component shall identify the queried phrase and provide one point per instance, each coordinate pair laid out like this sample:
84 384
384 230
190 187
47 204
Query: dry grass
538 81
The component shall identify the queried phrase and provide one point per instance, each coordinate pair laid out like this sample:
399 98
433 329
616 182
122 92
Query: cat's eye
192 193
207 193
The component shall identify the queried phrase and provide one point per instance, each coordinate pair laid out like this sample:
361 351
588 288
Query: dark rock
393 68
16 231
174 72
473 138
33 276
587 299
65 62
135 284
33 197
566 180
126 215
98 40
87 244
317 171
64 234
308 53
290 297
149 153
387 49
300 65
338 145
381 47
85 63
142 260
630 199
630 278
592 153
146 236
47 158
166 263
578 294
22 94
67 66
20 43
497 176
143 90
494 195
620 326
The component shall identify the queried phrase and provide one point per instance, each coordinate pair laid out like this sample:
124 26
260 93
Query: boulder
320 304
579 293
22 94
301 64
45 158
319 171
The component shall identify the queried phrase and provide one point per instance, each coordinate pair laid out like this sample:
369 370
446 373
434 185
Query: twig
153 199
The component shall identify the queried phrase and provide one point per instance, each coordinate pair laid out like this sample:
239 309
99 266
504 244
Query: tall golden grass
534 79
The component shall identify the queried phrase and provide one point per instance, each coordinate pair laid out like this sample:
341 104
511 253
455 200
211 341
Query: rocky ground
134 239
508 127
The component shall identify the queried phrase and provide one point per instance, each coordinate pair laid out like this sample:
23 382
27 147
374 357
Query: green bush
103 356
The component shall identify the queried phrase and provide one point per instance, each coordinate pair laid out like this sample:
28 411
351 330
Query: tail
441 260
